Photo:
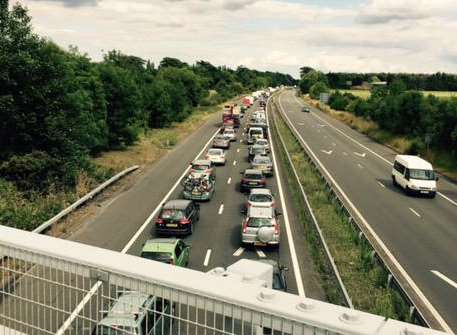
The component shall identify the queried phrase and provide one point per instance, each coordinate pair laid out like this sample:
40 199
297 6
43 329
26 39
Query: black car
252 179
279 275
177 217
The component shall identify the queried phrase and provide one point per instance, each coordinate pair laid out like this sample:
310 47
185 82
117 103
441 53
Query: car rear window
261 160
214 152
259 222
253 176
200 167
260 198
173 214
163 257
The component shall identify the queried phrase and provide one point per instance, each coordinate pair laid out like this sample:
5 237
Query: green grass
365 94
365 280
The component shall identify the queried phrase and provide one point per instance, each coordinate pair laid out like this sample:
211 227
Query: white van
255 133
414 175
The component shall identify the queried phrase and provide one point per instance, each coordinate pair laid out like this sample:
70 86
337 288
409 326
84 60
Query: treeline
420 82
427 120
58 107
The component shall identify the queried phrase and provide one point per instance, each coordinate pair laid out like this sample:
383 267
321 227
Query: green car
167 250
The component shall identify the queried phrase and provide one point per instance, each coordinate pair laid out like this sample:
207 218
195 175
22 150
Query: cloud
277 35
74 3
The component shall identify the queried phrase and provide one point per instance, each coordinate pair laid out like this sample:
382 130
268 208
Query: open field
366 94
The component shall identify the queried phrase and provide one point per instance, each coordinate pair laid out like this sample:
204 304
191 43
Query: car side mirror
244 210
437 178
284 268
278 213
241 173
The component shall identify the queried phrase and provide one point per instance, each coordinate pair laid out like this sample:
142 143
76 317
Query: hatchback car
260 227
279 274
252 179
177 217
263 142
256 150
262 163
260 197
216 156
202 166
306 109
230 133
167 250
221 141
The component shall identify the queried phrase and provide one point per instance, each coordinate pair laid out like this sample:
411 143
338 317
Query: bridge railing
54 286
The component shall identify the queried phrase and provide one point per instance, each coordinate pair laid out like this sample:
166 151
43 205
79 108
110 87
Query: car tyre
433 195
394 181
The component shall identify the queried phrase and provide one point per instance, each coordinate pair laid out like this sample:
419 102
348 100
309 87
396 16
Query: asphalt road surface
421 233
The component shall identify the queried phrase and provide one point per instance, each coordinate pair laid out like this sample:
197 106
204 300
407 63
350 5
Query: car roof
261 191
262 156
215 149
125 310
177 204
252 171
160 245
201 162
260 212
414 162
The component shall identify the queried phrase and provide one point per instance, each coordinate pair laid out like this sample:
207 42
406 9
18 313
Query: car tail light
184 221
159 221
276 229
171 261
245 226
243 181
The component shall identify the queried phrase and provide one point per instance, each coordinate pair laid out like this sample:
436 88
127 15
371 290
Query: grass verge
365 279
365 94
443 161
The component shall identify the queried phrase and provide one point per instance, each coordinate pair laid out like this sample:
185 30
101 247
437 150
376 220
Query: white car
216 156
264 143
260 197
230 134
415 175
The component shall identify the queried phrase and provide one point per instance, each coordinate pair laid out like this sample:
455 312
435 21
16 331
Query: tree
311 78
172 62
318 88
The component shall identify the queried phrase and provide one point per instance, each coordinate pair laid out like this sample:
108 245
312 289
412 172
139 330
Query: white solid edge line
400 268
221 209
208 255
293 254
443 277
238 252
96 286
416 213
373 152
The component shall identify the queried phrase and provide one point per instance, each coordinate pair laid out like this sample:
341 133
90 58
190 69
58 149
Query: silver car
260 227
262 163
264 143
260 197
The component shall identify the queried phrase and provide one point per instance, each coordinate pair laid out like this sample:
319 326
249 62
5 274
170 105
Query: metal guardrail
315 223
162 298
398 277
46 225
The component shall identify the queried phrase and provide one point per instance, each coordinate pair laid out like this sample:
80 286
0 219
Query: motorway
421 233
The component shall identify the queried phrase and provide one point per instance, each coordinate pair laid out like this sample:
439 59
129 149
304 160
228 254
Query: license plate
173 225
252 183
260 244
195 193
424 192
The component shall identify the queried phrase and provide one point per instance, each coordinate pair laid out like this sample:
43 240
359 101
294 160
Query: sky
274 35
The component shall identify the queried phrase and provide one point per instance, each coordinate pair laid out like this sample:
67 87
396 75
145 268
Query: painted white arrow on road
327 152
323 125
360 155
301 124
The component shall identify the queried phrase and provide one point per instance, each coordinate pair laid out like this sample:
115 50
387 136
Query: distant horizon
359 36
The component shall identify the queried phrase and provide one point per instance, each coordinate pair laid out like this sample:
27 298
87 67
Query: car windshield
220 137
163 257
259 222
261 142
258 150
214 152
253 176
200 167
422 174
173 214
115 330
261 160
255 132
229 131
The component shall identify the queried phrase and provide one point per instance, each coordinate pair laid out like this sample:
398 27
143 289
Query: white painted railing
44 279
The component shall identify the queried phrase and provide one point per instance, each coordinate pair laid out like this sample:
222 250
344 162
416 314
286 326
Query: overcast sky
278 35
